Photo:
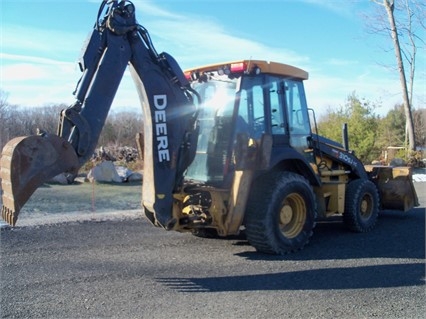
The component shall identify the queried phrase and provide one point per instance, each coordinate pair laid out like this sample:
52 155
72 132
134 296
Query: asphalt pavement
126 268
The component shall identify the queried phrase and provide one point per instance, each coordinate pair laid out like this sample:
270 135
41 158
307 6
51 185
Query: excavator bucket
395 186
26 163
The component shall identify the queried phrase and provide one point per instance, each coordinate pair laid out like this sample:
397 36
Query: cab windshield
216 130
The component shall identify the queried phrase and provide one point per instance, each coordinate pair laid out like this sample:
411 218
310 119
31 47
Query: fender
287 158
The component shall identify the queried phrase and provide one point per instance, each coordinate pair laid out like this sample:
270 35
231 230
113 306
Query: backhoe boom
117 41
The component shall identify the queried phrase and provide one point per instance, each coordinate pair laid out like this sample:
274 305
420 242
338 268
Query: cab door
299 127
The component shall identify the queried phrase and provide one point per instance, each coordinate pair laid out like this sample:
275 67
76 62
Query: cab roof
254 65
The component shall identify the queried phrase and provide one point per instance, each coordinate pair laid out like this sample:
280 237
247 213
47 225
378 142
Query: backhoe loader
227 147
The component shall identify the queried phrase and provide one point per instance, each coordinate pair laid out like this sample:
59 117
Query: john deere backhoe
227 147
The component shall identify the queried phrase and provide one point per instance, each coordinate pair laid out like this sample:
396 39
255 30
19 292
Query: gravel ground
54 203
101 263
129 269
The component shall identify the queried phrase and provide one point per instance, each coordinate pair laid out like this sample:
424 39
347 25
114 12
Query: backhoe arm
170 127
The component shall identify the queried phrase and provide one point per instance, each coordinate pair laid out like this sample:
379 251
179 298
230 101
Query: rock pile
107 172
104 170
120 153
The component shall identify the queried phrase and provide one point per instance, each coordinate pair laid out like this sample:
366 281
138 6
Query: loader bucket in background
395 186
26 163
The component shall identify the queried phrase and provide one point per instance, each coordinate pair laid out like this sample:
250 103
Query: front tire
361 206
281 212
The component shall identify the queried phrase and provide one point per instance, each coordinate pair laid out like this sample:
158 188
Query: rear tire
280 214
361 206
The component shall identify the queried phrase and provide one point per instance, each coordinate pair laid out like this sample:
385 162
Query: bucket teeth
9 215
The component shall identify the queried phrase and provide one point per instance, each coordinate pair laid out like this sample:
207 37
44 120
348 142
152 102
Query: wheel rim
366 206
292 215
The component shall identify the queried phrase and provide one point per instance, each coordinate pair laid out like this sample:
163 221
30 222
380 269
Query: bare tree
4 114
408 53
419 117
120 128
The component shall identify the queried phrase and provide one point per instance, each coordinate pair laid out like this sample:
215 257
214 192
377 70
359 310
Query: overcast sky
41 41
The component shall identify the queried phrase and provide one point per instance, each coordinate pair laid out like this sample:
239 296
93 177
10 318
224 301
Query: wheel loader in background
227 147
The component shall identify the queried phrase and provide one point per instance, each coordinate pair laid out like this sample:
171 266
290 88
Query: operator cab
249 98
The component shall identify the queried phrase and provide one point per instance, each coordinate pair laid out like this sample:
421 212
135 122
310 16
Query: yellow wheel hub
286 214
292 215
366 207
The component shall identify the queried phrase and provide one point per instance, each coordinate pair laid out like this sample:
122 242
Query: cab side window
277 115
296 105
251 108
258 111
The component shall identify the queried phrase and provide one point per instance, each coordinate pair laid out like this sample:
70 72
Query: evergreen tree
362 127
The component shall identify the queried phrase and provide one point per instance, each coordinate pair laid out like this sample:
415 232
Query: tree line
369 134
120 128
